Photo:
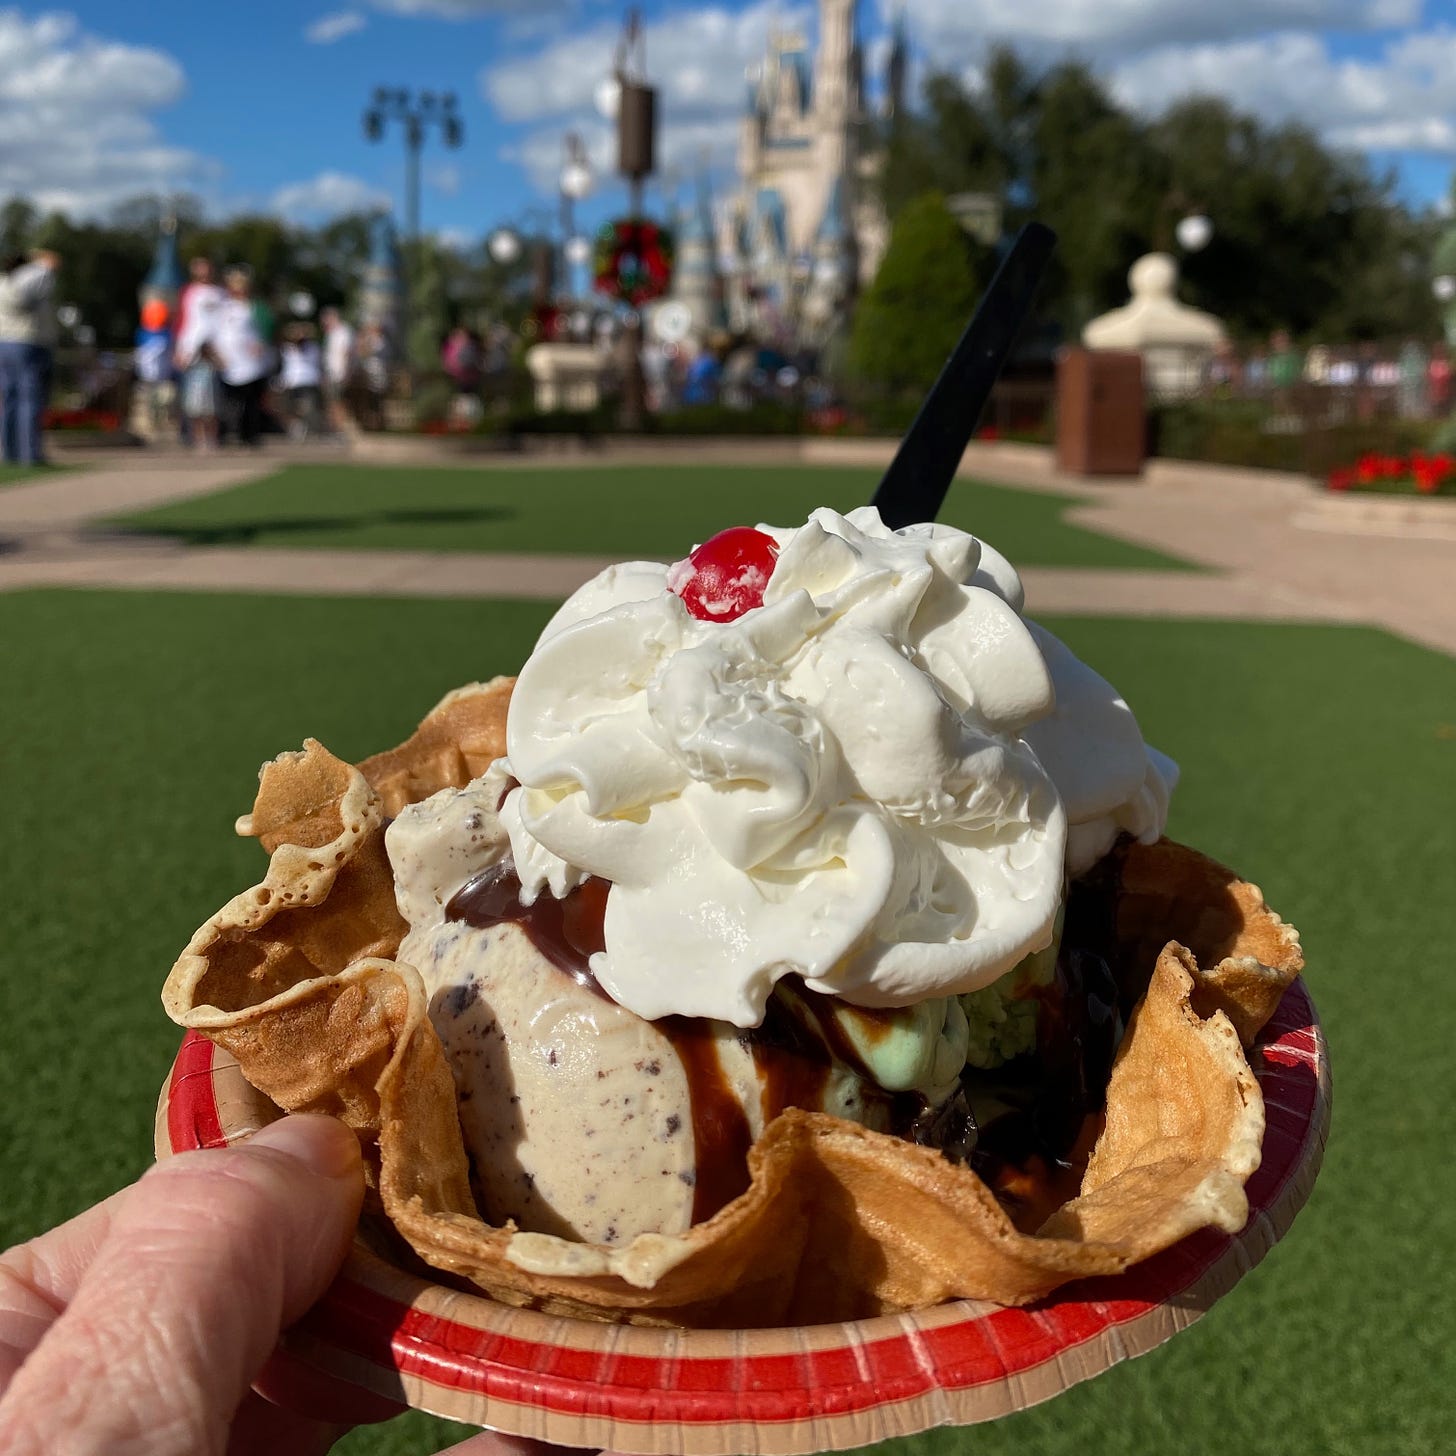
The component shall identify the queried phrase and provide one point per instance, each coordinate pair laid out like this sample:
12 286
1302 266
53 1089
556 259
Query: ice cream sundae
793 939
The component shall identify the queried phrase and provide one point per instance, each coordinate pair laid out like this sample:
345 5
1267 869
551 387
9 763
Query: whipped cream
875 781
834 785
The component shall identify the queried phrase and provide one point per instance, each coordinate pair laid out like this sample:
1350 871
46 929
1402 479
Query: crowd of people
1414 379
218 366
212 367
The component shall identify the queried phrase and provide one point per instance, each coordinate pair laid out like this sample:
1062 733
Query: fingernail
322 1144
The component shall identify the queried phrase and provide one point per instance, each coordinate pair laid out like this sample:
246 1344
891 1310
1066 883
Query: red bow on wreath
632 260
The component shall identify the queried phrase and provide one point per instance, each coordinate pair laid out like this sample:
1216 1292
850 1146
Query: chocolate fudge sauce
1032 1154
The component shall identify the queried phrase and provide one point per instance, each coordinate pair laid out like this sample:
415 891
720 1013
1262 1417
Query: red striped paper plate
776 1392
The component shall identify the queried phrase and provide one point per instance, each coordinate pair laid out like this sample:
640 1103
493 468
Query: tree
1305 238
1091 176
18 223
912 314
429 304
101 271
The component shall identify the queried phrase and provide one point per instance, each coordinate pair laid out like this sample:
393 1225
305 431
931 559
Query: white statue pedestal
565 376
1176 342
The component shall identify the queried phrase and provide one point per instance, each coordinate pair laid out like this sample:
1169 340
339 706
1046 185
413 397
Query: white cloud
76 132
950 30
456 239
325 196
444 177
467 9
696 58
1404 100
335 26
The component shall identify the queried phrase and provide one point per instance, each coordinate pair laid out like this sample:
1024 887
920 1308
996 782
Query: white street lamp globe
576 180
504 246
1194 233
1444 287
828 273
68 315
578 251
608 97
301 303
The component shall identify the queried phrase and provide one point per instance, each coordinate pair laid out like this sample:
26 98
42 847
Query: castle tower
897 66
381 290
695 276
807 200
833 83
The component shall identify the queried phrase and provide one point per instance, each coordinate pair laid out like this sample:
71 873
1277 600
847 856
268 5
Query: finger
38 1279
209 1256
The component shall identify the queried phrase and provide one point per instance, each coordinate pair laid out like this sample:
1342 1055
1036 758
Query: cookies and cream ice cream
807 853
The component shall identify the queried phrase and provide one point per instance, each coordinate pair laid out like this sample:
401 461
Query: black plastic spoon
913 488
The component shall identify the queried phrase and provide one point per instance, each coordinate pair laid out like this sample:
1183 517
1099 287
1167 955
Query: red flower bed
1416 473
80 419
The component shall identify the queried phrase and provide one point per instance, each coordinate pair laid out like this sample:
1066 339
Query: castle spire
897 65
833 73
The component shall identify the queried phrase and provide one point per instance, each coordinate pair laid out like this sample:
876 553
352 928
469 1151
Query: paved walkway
1276 551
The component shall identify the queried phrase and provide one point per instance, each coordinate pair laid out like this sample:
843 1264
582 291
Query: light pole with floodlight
417 115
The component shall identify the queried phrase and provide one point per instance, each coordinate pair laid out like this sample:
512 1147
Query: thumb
209 1257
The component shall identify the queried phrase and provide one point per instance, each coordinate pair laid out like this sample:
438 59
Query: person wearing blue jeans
27 338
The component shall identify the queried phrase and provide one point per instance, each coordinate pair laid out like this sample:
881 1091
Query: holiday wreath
632 260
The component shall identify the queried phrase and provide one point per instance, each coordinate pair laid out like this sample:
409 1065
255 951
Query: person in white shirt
339 365
196 307
27 339
241 338
300 378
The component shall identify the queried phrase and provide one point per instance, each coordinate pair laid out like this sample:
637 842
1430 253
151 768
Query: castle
805 230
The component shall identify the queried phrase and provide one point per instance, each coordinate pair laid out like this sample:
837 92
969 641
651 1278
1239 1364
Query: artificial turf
1320 760
32 474
616 511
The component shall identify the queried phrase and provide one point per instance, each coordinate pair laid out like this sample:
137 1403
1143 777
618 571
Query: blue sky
259 105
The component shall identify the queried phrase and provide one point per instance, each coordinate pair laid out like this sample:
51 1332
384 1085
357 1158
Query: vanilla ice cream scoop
583 1119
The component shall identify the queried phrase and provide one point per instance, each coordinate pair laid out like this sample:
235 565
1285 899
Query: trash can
1101 421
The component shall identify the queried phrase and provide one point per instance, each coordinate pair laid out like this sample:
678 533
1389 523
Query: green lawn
31 474
1321 760
618 511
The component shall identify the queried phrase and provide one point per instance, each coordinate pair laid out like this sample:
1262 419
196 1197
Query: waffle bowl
393 1332
293 978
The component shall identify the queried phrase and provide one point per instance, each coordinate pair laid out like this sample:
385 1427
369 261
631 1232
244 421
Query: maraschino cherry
726 576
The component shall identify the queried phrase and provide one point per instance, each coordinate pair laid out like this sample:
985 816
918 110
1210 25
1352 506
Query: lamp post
507 242
417 115
636 109
573 184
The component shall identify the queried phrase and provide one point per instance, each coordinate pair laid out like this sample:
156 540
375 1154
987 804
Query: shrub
924 292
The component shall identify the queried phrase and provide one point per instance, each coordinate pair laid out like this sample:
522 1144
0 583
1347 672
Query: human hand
145 1324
